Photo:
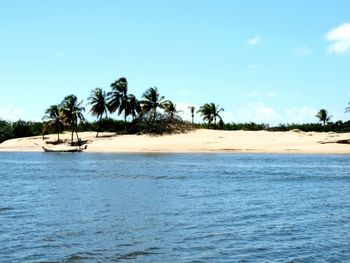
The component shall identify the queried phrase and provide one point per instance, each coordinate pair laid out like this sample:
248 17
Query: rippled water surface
174 208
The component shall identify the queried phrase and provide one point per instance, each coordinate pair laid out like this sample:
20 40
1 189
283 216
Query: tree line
150 114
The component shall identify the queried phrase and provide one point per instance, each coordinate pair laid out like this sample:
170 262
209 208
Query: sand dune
199 141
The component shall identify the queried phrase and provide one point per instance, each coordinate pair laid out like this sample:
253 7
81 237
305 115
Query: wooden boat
70 150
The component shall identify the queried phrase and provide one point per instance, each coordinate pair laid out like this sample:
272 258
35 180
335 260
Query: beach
198 141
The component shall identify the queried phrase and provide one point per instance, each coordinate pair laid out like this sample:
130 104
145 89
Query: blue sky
265 61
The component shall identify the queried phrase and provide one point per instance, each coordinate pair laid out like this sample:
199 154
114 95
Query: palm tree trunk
154 114
77 138
72 136
58 133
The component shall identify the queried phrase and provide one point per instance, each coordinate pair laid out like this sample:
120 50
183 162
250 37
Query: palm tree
209 112
347 109
118 97
192 108
152 101
171 111
206 112
52 119
323 116
215 111
133 106
72 113
98 104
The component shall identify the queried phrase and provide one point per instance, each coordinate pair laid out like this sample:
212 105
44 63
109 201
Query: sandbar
198 141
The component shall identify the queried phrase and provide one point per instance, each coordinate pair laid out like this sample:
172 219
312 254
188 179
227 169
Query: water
174 208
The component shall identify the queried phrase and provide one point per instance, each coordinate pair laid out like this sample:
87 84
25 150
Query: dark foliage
10 130
338 126
251 126
6 131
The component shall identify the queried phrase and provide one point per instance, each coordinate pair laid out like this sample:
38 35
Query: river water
174 208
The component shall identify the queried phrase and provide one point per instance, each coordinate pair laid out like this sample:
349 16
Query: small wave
5 209
79 256
167 177
135 254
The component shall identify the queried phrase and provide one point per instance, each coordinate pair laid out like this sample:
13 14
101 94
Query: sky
265 61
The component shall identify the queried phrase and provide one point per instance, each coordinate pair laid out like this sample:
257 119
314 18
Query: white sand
199 141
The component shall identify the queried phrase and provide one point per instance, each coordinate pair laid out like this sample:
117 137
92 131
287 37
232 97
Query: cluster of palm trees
69 113
211 112
118 100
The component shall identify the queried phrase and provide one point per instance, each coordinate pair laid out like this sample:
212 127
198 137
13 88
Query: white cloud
339 39
254 41
303 51
300 115
10 113
257 112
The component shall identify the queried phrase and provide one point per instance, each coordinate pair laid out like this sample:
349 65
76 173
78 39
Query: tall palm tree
98 104
152 100
52 119
216 112
192 108
171 111
72 113
133 106
118 97
206 112
323 116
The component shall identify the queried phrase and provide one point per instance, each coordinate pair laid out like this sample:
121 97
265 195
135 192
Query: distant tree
171 111
216 112
206 113
22 129
210 112
52 120
152 101
6 131
192 108
72 113
98 103
118 97
323 116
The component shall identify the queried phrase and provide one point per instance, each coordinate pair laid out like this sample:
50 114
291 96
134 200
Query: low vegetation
10 130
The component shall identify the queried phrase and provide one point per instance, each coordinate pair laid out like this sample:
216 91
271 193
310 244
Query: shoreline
198 141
